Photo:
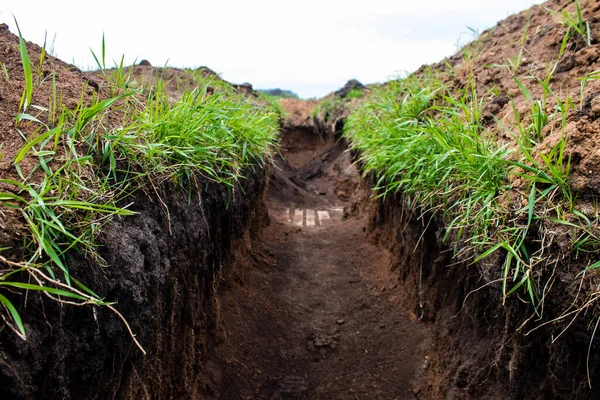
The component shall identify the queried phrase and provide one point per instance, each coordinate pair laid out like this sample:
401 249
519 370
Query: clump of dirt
351 85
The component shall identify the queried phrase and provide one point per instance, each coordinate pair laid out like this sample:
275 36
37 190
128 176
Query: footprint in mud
291 387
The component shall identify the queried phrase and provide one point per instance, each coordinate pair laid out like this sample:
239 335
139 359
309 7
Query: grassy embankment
424 136
90 159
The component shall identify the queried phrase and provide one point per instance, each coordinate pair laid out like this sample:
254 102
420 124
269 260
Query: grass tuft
90 159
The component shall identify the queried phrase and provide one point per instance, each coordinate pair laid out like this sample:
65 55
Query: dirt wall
479 349
162 271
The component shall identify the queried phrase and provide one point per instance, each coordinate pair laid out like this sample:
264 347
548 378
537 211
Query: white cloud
311 47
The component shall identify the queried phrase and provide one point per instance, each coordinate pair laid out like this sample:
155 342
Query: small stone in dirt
340 322
426 362
73 68
415 389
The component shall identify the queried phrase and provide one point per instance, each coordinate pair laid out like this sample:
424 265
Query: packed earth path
315 312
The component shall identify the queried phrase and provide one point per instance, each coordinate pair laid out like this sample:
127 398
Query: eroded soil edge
163 268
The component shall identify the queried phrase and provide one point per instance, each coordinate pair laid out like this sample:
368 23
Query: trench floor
316 313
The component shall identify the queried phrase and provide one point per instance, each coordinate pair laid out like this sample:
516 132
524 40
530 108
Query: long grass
88 165
425 139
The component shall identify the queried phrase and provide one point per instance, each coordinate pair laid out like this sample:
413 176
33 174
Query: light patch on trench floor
311 218
298 218
323 216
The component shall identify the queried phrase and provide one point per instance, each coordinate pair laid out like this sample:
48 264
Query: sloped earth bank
163 269
159 266
477 350
315 312
480 347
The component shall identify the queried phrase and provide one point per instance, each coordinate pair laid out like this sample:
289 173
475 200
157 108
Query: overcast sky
311 46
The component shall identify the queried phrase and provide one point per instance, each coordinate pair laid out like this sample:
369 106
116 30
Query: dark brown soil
162 276
477 348
314 167
314 314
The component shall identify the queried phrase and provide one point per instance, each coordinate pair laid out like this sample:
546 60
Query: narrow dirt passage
315 312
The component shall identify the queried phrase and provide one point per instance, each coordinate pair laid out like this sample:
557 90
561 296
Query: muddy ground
314 313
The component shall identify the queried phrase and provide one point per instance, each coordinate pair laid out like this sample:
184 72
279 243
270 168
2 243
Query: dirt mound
70 84
351 85
527 47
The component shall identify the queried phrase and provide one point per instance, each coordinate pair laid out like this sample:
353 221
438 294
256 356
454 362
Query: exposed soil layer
478 350
162 271
314 167
314 312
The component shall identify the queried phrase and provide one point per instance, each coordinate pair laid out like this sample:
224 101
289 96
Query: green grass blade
26 70
14 314
29 286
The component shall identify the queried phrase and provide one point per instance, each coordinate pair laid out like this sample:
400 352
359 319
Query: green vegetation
327 107
425 139
355 93
279 93
90 159
575 23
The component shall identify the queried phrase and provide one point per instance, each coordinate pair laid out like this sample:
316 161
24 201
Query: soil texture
313 312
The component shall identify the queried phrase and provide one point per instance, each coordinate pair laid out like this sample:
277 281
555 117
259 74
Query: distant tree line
285 94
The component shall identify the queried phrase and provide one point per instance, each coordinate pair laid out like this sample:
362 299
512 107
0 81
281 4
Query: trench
316 313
